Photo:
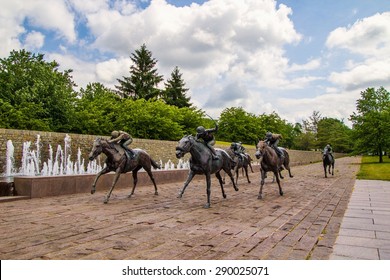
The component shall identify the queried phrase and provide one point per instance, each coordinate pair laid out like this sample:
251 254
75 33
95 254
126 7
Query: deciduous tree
371 122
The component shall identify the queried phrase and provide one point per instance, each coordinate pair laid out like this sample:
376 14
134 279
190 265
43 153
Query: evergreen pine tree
143 80
175 91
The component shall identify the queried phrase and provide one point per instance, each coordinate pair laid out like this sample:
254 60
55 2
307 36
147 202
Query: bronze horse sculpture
242 163
328 162
269 161
118 161
201 162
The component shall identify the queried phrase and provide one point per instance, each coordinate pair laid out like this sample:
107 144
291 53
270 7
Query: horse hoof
236 189
259 196
130 195
206 206
156 193
93 191
105 202
281 193
224 196
180 196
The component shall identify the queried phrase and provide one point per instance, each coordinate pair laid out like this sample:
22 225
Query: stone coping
42 186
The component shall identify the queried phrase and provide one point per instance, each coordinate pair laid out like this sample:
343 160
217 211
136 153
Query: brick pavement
302 224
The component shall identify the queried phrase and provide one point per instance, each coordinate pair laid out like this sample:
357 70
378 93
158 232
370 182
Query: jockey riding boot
213 153
130 151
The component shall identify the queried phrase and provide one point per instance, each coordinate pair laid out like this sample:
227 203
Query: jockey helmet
200 129
115 134
268 134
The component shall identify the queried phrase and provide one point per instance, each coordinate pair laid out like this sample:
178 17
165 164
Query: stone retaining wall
159 150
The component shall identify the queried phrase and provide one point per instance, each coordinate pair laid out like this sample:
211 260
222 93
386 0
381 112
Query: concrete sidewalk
365 229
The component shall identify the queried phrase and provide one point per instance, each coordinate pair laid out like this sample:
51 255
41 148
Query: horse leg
104 171
191 175
246 173
117 174
332 169
280 174
208 190
237 174
326 176
135 180
278 181
218 175
223 178
232 179
250 165
236 171
263 176
289 171
149 171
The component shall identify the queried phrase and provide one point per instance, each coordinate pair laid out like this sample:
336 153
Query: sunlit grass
371 169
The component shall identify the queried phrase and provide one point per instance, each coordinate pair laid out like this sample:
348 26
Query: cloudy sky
289 56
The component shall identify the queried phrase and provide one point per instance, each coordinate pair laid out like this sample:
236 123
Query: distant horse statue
269 161
201 162
242 162
328 162
118 161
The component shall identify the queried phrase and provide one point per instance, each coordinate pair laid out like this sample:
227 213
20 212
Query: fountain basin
43 186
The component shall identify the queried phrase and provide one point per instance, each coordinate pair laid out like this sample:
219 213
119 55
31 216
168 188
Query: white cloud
311 65
371 73
83 72
34 40
51 15
110 70
368 37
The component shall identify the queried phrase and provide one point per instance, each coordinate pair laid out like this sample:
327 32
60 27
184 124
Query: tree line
35 95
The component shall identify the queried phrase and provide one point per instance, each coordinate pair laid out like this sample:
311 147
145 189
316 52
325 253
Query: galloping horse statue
328 161
242 162
269 161
201 162
118 161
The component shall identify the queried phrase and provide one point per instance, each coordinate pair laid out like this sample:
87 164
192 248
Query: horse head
184 146
96 149
260 149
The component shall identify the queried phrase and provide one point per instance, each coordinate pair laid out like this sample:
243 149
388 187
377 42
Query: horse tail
155 164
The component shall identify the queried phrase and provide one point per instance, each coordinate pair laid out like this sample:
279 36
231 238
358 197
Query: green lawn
371 169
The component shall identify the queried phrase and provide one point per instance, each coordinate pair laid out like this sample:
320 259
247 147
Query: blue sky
289 56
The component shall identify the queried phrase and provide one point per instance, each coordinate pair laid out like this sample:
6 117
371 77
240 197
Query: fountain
60 175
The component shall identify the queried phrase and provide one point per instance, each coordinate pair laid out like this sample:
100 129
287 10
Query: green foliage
144 79
149 119
97 110
34 94
336 133
371 122
237 125
175 91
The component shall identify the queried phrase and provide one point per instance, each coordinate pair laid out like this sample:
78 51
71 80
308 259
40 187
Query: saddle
122 151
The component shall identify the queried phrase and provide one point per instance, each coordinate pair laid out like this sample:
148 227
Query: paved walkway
302 224
365 229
